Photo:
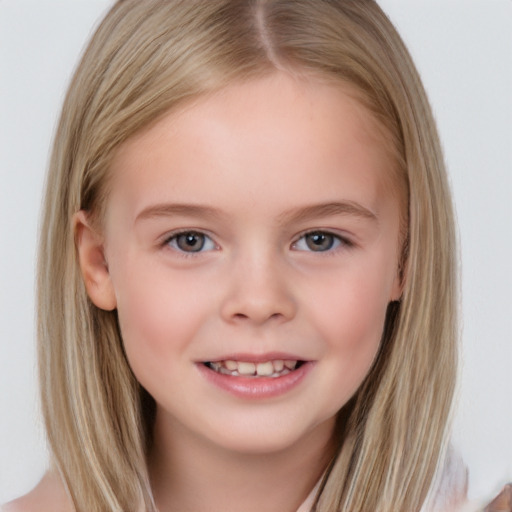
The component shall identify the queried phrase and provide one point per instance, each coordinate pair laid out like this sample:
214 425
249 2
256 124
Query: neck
189 473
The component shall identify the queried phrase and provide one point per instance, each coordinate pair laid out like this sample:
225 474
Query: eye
318 241
191 241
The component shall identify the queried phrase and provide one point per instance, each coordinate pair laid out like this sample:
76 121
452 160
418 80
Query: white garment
447 493
449 489
308 502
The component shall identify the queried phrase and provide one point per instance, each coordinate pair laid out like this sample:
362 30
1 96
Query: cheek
350 319
159 316
353 331
352 307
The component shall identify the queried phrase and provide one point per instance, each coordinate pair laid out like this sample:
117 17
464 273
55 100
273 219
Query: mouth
256 377
272 368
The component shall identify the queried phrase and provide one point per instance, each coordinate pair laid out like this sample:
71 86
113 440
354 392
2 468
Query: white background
463 49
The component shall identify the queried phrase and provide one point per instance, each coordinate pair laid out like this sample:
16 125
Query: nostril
243 316
257 306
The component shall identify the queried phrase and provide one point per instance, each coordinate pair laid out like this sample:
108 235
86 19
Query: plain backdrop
463 49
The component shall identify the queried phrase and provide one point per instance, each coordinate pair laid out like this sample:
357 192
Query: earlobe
398 285
397 291
91 255
401 274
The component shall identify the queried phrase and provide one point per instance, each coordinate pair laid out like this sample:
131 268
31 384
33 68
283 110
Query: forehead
247 102
280 128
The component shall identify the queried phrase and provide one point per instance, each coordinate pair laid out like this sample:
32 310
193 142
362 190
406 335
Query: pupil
190 242
319 241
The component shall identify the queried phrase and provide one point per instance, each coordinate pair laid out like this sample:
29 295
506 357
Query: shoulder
502 502
48 496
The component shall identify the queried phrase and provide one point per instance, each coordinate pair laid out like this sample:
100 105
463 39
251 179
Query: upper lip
256 358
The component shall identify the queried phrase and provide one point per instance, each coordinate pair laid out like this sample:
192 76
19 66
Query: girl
246 285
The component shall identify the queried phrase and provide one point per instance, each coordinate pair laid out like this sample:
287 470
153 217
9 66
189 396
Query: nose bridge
259 289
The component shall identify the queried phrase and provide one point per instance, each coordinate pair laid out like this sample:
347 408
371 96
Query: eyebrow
348 208
170 209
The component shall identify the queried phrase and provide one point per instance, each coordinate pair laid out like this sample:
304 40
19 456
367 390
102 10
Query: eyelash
337 242
172 241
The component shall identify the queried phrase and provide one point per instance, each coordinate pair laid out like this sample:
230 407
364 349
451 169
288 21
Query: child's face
255 226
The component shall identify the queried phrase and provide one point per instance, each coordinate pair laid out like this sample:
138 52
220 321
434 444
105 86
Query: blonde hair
147 58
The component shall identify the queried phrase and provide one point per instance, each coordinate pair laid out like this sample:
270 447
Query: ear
397 289
91 256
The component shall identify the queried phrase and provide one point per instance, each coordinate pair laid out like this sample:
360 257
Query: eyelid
173 235
343 241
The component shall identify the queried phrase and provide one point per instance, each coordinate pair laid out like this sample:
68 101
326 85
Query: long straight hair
146 59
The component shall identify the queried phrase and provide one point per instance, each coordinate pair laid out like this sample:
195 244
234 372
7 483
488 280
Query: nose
259 291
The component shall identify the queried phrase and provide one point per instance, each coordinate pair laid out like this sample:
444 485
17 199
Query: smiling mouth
275 368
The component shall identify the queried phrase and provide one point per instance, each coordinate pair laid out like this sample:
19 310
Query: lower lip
257 387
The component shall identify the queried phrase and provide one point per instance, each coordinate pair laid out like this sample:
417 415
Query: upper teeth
263 369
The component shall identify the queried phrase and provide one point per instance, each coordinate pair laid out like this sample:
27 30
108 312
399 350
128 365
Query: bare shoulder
48 496
502 502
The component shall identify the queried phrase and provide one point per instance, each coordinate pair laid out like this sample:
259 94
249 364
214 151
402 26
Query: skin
48 496
502 502
257 286
255 168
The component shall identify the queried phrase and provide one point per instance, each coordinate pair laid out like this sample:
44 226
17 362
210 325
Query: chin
258 444
272 437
